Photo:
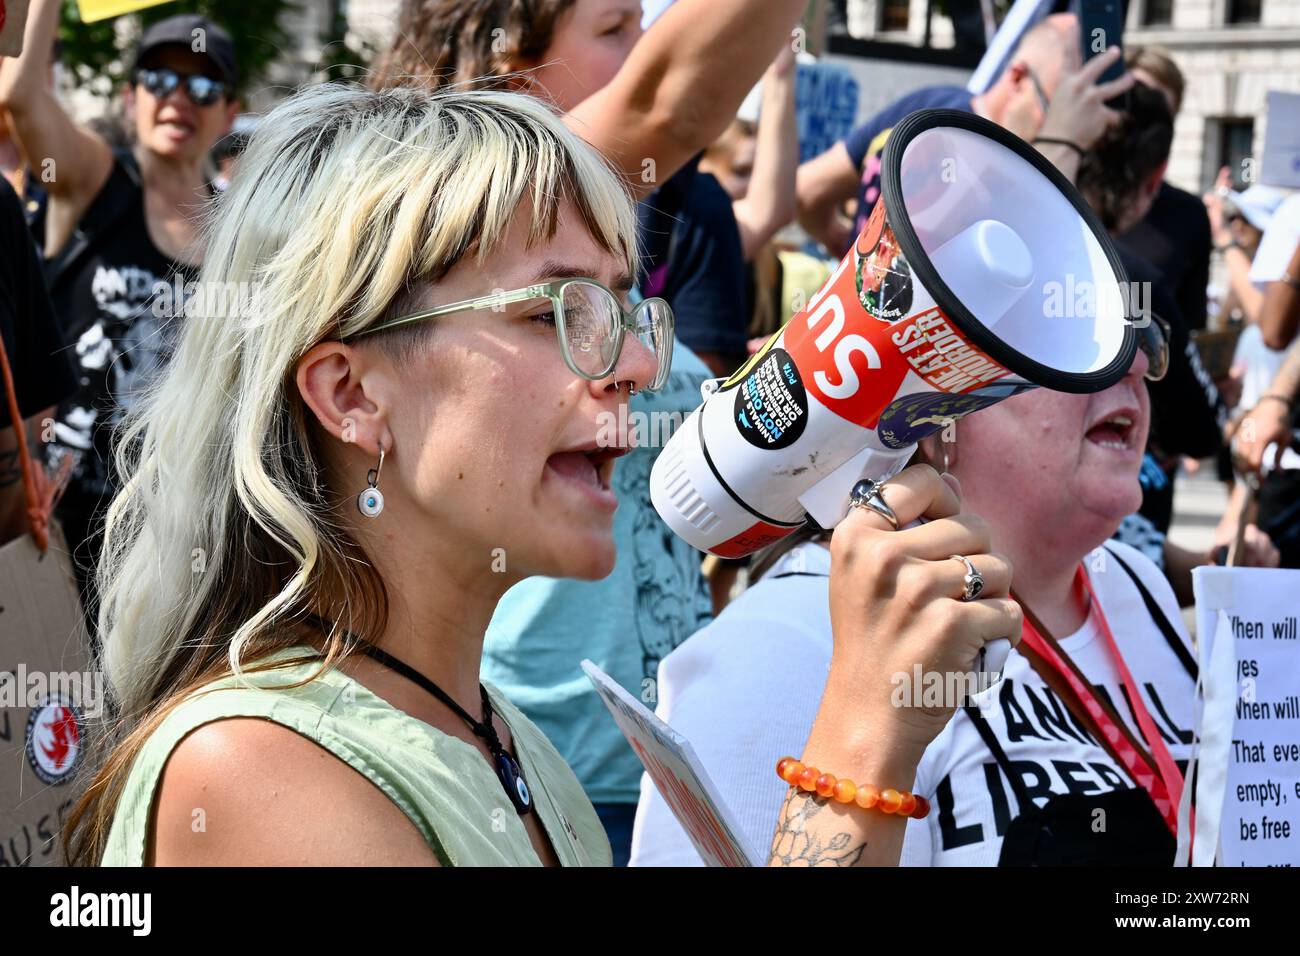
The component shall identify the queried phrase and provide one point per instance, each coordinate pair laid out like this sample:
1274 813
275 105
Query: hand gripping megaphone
980 274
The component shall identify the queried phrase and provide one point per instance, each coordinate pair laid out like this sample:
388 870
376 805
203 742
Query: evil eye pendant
513 781
371 502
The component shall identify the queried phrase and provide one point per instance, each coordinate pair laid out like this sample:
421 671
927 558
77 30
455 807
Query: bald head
1051 48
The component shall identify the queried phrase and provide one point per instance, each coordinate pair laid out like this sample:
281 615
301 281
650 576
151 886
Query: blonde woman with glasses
323 504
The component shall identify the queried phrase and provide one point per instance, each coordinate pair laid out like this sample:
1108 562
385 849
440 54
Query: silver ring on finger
867 494
973 580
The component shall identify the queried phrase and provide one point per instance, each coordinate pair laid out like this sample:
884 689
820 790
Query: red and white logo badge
54 740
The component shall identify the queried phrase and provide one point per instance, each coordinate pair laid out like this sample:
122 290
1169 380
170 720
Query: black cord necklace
507 768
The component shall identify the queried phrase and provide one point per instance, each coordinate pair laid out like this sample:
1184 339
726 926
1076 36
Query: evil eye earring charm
371 501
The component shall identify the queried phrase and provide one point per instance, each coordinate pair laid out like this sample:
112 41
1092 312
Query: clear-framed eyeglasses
590 323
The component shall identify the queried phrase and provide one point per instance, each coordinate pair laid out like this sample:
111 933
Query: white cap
1258 203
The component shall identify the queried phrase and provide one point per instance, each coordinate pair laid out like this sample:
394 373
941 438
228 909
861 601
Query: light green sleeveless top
443 784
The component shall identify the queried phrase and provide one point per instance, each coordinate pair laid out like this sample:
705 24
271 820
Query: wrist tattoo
794 844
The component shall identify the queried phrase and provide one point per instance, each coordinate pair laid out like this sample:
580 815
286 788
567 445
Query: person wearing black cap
118 228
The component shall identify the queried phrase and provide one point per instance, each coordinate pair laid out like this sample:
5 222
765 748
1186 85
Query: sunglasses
590 323
1153 339
202 90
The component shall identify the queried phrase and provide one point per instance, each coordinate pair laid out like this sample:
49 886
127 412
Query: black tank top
113 292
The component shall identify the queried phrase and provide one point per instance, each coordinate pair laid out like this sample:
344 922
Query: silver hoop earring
371 501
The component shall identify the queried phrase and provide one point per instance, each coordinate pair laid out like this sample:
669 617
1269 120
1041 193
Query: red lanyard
1165 785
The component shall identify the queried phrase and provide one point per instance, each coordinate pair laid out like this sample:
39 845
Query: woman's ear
330 378
940 453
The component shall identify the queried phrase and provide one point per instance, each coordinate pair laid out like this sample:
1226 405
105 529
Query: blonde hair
347 202
1156 61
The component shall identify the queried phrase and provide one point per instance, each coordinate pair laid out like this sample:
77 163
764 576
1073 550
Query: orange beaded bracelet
889 800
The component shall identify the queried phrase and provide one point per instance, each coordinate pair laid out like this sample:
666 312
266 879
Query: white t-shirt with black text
745 690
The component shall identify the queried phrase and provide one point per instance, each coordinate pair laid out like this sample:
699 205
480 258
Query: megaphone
980 274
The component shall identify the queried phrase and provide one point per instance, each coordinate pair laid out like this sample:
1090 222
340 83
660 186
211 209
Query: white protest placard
1249 758
1280 164
668 758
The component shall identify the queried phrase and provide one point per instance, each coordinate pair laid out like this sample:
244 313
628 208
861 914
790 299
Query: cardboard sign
668 758
13 20
92 10
1280 165
1248 764
46 691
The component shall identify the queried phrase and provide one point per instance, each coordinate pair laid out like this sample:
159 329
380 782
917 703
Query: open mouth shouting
589 470
1116 431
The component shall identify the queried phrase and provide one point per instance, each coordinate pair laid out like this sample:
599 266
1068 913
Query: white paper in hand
668 758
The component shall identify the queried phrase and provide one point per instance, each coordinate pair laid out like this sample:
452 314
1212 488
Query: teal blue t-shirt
655 598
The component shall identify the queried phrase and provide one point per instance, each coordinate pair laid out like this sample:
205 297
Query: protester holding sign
117 225
1024 774
338 465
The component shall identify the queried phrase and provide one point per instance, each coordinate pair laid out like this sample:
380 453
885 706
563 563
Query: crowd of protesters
412 538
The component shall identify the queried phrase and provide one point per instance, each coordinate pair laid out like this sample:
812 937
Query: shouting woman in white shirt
1094 711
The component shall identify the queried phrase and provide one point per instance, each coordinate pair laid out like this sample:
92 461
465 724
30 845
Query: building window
1244 11
893 15
1228 142
1158 13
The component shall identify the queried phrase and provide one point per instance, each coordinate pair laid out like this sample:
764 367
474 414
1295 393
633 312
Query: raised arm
682 84
770 202
1270 420
71 162
1078 113
1235 259
1279 315
822 186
